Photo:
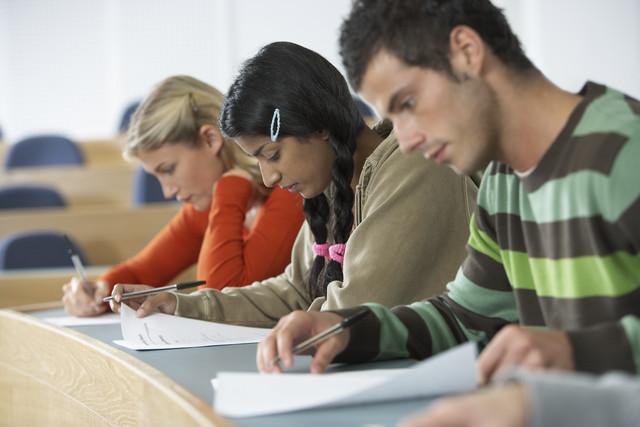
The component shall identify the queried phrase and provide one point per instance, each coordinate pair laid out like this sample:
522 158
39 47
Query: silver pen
77 265
175 286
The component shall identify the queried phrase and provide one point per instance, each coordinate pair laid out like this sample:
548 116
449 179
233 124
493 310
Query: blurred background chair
147 189
126 117
36 249
29 197
43 150
367 112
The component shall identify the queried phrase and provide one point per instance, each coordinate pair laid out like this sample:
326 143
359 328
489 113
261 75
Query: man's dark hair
417 32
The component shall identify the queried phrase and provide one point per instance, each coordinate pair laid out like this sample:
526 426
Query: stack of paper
248 394
103 319
163 331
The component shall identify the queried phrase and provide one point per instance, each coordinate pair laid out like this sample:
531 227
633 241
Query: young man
555 239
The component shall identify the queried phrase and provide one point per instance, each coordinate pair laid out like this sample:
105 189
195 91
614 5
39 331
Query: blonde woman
234 228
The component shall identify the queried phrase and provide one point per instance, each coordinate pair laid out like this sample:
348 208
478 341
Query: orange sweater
226 252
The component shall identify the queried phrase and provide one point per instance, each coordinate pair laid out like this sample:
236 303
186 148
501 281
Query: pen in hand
327 333
77 264
175 286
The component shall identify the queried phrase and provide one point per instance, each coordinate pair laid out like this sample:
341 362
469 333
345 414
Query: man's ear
467 51
212 137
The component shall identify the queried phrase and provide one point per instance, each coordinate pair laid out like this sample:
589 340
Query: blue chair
126 116
36 249
44 150
363 107
29 197
147 189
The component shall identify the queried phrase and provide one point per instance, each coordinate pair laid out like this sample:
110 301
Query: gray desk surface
193 368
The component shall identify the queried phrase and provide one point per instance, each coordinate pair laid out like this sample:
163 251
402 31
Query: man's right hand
295 328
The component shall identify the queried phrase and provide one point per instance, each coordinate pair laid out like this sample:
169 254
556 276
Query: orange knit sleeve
232 257
170 252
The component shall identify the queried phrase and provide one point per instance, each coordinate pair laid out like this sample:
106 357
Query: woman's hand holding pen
164 302
297 327
78 302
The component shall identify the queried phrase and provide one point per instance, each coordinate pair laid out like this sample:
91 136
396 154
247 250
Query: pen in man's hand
327 333
175 286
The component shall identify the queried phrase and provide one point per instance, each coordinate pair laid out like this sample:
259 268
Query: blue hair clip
275 125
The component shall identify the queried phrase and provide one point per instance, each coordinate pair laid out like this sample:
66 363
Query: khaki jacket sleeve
412 235
262 303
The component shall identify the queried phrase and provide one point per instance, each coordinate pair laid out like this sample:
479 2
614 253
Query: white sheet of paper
250 394
103 319
162 331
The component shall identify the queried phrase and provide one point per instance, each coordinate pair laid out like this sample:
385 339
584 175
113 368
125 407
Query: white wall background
71 66
4 54
572 41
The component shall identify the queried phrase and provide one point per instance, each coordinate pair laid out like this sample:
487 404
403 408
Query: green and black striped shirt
558 248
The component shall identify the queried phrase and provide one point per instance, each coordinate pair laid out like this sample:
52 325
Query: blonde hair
173 113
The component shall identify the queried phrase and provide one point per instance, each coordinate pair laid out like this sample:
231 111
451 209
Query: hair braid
316 211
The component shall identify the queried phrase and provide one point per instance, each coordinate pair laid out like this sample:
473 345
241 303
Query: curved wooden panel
23 287
59 377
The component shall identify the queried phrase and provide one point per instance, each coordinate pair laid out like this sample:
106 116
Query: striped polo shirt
557 248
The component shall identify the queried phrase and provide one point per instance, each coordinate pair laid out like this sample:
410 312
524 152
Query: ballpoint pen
175 286
327 333
77 264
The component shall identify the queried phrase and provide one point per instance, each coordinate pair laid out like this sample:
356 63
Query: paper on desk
163 331
103 319
250 394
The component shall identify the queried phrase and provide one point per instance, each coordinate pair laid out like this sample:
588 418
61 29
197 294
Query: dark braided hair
312 96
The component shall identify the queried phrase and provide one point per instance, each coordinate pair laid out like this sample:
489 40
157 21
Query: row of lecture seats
145 190
30 197
55 149
47 248
41 249
37 249
44 150
34 249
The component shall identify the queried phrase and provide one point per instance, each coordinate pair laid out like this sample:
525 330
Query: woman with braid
372 214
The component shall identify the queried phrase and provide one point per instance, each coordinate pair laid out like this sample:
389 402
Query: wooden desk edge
192 405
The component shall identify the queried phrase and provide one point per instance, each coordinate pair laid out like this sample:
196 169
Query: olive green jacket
411 222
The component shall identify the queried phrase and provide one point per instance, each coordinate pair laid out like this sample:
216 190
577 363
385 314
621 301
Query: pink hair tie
336 252
321 250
